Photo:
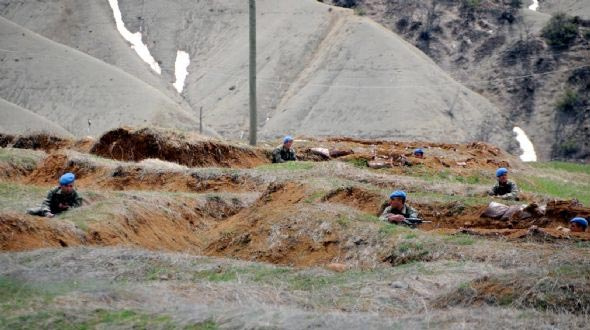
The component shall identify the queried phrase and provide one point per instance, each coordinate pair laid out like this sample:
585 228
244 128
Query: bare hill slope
322 71
69 87
16 120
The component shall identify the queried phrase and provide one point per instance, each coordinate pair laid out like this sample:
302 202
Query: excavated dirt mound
179 226
18 232
366 201
91 175
264 232
40 141
397 155
5 140
135 145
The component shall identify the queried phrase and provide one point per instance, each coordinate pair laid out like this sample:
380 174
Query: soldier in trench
59 199
285 152
505 188
398 211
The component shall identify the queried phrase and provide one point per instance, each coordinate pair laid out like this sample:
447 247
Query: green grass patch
217 275
359 162
21 158
555 188
287 166
563 166
433 175
460 239
17 197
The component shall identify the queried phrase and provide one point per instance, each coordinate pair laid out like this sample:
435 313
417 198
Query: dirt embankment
399 155
94 174
135 145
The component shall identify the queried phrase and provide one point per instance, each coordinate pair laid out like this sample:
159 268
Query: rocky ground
224 239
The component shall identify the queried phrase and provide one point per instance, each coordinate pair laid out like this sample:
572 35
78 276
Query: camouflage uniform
407 211
281 155
52 201
508 190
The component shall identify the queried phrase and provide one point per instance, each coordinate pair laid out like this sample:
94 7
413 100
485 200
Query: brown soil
136 177
18 233
135 145
399 155
250 234
357 198
40 141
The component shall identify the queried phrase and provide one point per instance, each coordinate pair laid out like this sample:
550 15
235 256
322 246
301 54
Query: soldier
59 199
397 211
578 225
505 188
419 153
285 152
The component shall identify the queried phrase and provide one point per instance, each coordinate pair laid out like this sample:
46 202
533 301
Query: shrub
561 31
516 3
569 102
346 3
472 4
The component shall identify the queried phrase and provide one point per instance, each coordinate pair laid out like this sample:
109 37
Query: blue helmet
67 178
419 151
287 138
580 221
399 194
501 171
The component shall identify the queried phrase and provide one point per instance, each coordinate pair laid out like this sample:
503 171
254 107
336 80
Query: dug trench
240 214
280 224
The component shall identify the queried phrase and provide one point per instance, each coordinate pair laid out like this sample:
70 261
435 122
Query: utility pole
201 120
252 80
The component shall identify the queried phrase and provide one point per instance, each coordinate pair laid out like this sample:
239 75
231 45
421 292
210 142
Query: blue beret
398 193
418 151
501 171
580 221
287 139
67 178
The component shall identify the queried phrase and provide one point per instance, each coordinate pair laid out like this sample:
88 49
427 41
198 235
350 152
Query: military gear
407 211
418 152
398 193
413 222
508 190
580 221
67 178
287 138
501 171
282 154
52 202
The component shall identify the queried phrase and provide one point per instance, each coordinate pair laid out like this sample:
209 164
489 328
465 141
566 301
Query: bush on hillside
561 31
516 3
569 102
346 3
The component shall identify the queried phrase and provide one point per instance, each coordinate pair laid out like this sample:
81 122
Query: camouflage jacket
281 155
56 197
407 211
509 190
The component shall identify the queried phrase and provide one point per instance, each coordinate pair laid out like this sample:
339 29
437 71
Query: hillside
70 88
16 120
322 71
498 50
232 241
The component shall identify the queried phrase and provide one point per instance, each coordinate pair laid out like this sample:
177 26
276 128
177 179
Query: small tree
561 31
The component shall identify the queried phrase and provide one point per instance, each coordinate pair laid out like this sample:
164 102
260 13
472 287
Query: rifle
413 222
